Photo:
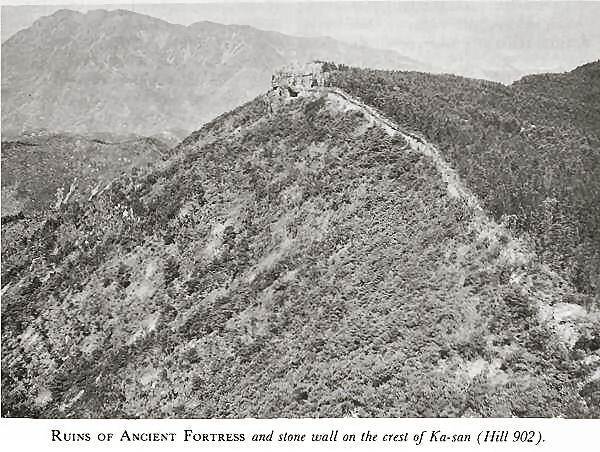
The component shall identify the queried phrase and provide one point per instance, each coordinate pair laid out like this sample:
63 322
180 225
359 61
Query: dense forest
530 151
302 263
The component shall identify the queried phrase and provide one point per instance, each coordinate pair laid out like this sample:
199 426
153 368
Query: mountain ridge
332 257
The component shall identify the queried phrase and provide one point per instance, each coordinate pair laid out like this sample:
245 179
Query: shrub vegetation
298 264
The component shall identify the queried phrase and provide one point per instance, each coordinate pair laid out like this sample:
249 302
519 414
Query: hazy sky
472 38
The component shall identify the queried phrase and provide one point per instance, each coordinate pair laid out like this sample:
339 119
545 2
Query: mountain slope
305 263
529 151
36 167
123 72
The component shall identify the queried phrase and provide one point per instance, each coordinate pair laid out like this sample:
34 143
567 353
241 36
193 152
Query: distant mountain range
123 72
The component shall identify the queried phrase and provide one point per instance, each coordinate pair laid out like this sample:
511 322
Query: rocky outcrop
294 80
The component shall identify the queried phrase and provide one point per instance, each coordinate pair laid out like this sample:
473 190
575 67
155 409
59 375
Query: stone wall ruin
292 80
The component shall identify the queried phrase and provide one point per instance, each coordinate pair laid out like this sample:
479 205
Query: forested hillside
39 168
530 151
298 264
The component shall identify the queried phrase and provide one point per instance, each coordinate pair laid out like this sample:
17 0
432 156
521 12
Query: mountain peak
65 13
94 17
58 16
590 69
332 224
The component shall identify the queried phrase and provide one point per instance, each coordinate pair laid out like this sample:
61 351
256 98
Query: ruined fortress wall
292 80
299 77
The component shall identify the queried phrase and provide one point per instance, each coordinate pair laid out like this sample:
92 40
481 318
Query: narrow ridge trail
456 188
481 223
564 318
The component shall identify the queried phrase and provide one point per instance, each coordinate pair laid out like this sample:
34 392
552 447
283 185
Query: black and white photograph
265 210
